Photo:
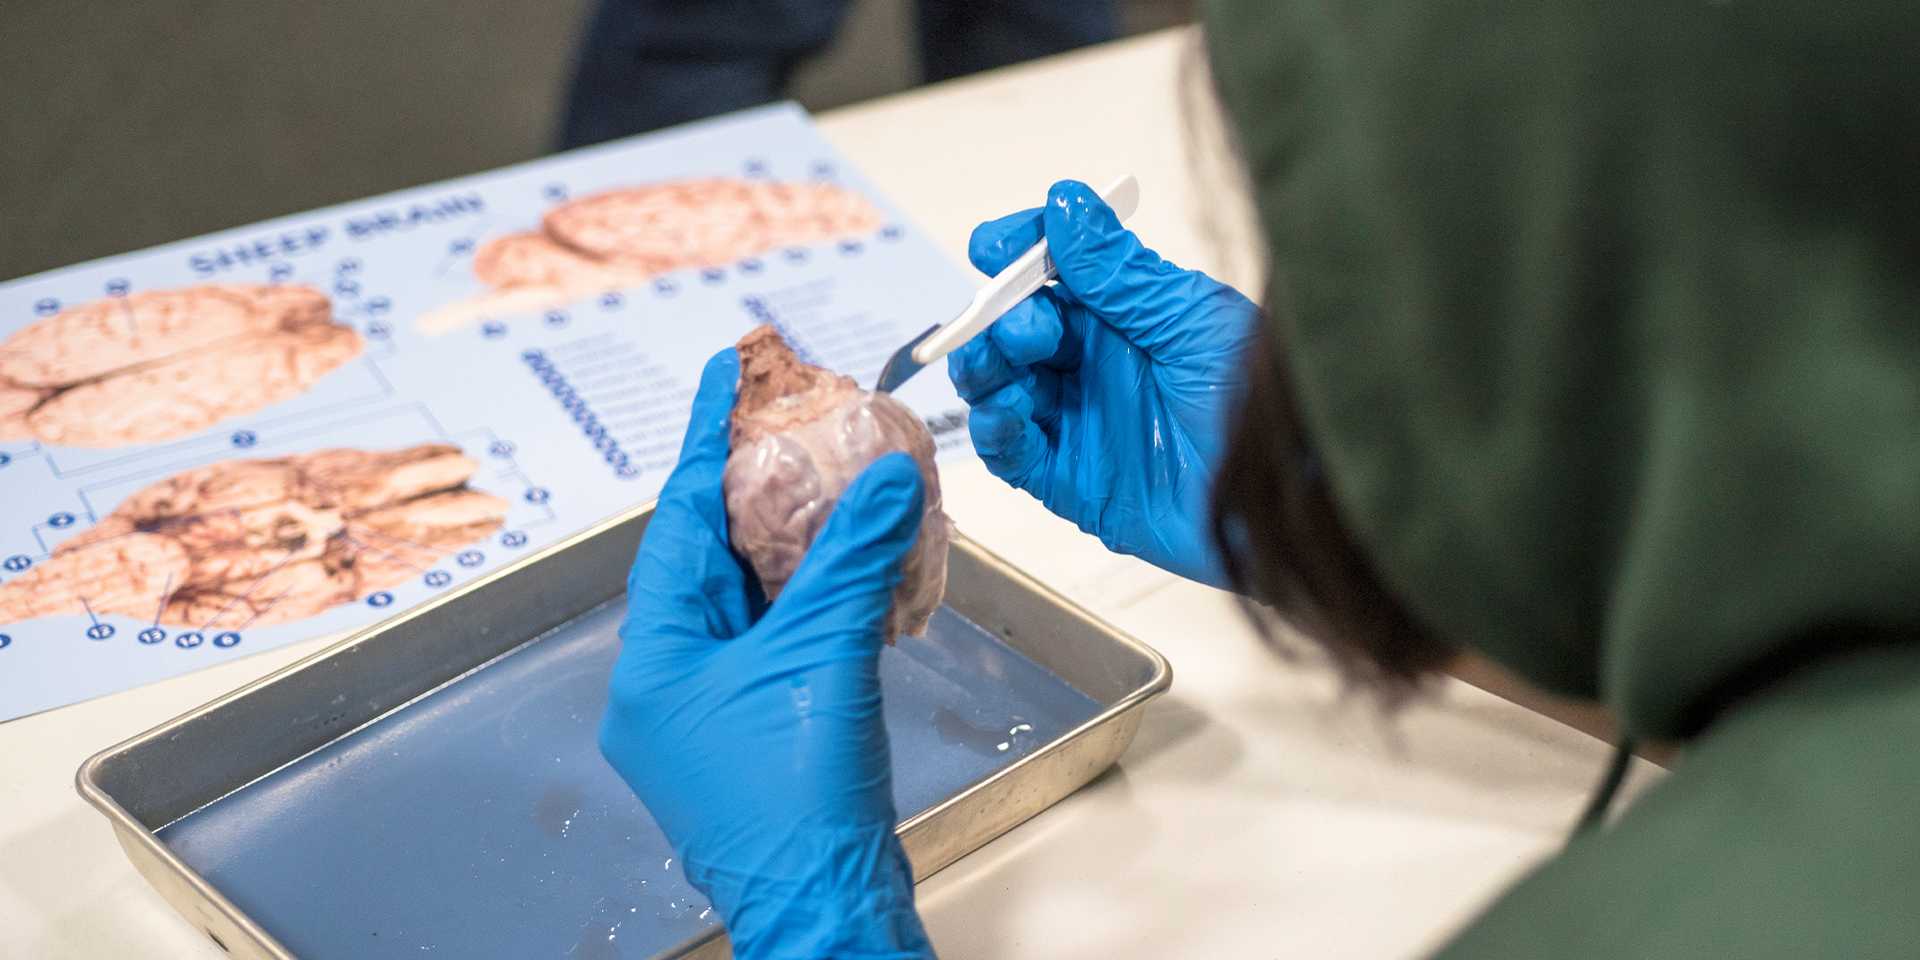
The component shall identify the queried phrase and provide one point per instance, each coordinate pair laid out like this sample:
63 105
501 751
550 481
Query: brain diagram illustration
297 428
627 236
257 542
160 365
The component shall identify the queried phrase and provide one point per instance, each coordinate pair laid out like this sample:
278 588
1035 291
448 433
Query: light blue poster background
517 390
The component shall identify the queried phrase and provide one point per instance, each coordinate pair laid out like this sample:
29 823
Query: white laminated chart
301 427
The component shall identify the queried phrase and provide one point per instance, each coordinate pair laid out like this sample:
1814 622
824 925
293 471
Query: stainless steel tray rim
142 840
128 828
1159 683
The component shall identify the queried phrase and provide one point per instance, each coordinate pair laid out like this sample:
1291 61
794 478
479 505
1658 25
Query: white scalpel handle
1016 283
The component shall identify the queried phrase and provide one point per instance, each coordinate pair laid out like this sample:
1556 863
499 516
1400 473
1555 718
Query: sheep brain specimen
258 542
167 363
800 435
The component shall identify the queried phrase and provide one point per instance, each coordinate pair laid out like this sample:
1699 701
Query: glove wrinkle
801 905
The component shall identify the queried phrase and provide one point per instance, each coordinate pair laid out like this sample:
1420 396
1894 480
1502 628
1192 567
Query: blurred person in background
646 64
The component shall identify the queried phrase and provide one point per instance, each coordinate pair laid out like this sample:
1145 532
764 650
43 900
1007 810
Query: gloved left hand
753 734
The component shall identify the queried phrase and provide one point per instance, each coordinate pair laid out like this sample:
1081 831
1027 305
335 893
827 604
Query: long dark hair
1288 553
1291 558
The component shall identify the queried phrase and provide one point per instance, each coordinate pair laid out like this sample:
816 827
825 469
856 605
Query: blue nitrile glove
1106 395
753 734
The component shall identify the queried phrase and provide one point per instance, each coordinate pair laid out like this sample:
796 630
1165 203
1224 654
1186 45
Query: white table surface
1259 814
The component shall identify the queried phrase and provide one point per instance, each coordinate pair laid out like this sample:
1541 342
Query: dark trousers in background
646 64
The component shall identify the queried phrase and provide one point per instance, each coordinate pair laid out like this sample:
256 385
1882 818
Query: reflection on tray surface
482 821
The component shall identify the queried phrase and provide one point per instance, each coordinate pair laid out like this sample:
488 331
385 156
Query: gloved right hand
1106 394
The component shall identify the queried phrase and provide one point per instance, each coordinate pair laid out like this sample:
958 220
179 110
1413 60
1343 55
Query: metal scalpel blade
1029 272
901 366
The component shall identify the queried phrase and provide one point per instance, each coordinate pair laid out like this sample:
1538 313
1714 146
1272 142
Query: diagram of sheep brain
298 428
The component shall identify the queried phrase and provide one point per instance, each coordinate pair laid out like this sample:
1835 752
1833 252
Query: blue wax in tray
482 821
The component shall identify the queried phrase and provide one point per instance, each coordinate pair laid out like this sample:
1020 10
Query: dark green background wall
126 123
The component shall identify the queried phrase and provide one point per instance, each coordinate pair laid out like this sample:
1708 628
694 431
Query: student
1592 344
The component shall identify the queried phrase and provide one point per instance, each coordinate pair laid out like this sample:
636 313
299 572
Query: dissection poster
300 427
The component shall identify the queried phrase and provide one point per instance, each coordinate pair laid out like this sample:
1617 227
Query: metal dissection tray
432 785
